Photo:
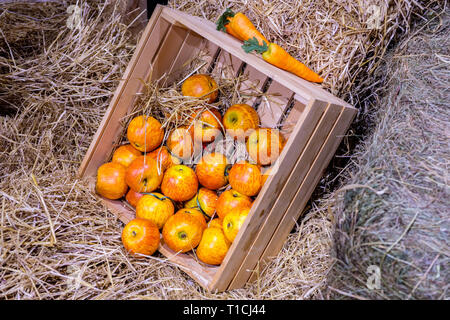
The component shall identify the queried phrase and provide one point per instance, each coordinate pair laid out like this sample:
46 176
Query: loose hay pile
57 241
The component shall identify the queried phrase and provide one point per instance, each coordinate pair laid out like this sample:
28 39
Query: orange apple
230 200
179 183
140 236
215 223
181 143
111 180
133 197
142 175
212 170
245 178
195 213
163 157
145 133
264 145
206 125
200 86
125 155
205 200
213 246
155 207
182 232
239 120
233 222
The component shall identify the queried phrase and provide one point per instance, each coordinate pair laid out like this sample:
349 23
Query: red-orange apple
200 86
125 155
179 183
111 180
212 170
230 200
206 125
133 197
163 157
205 200
145 133
142 175
245 178
239 120
181 142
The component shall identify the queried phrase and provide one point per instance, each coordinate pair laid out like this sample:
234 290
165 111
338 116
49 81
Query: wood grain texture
268 195
272 108
286 194
308 185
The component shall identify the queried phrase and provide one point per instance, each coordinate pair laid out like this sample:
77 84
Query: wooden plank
212 51
287 193
227 65
268 195
207 29
294 114
197 270
168 51
121 102
190 48
307 187
255 80
272 108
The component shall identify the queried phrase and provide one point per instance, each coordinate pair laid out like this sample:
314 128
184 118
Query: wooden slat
255 80
268 195
168 51
211 50
272 108
207 29
197 270
227 65
190 48
294 114
286 194
307 187
121 103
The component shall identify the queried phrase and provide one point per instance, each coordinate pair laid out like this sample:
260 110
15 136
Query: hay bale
393 211
58 241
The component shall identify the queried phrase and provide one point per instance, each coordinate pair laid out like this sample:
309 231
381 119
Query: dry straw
57 240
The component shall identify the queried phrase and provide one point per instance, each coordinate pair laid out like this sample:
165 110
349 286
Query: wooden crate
313 120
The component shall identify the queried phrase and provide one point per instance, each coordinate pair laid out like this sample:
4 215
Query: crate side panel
307 187
268 195
198 271
226 65
285 196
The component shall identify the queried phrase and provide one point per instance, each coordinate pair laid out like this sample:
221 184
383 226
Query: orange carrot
231 31
239 26
276 55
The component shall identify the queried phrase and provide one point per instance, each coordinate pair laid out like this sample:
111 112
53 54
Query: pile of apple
200 207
